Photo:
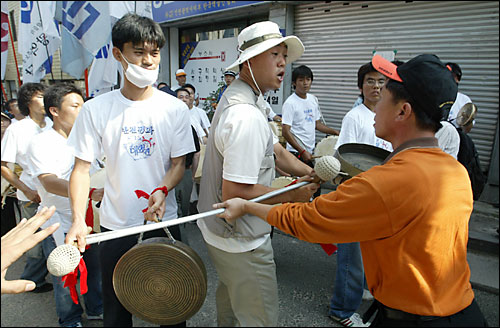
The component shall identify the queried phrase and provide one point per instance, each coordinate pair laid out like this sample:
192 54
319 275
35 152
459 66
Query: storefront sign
206 61
167 11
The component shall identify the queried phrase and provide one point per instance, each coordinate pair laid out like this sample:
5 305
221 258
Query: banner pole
14 52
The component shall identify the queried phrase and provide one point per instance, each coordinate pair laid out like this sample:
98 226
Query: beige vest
247 226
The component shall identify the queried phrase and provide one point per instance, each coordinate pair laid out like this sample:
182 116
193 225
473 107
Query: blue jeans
349 281
68 312
36 261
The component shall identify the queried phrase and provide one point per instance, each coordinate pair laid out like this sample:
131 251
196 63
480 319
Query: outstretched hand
20 239
235 208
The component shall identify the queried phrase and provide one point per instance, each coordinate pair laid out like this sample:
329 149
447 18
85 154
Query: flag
86 29
103 73
5 36
38 38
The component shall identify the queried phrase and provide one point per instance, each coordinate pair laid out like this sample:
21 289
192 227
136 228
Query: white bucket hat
262 36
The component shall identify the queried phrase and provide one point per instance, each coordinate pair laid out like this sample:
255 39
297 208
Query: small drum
281 182
326 146
199 169
356 158
161 280
276 127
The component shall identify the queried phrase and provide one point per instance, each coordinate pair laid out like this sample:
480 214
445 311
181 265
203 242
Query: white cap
180 72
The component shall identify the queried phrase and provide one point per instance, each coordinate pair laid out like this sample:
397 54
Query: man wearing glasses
357 127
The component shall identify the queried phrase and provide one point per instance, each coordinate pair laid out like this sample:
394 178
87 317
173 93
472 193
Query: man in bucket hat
414 208
239 162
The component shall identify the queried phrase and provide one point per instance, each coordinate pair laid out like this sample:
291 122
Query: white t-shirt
196 122
205 122
448 139
457 105
242 140
138 139
301 115
15 143
271 113
357 127
50 154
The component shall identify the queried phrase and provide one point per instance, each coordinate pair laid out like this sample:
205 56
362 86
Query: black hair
301 71
455 69
187 85
54 95
424 121
362 71
25 95
137 29
158 86
181 89
7 104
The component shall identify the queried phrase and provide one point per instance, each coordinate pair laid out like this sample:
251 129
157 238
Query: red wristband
164 189
90 192
301 152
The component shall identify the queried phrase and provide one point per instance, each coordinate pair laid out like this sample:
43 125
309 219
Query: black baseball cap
428 81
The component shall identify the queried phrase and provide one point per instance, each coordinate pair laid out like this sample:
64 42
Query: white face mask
139 76
261 102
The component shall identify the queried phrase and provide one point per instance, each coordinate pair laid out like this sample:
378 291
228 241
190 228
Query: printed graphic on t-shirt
138 141
309 116
383 144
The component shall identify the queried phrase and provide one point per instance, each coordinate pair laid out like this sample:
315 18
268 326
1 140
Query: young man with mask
15 150
51 161
145 134
239 162
413 231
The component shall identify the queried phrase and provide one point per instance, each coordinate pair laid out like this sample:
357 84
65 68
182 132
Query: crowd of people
403 248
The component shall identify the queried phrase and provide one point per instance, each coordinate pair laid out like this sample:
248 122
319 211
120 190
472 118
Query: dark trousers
9 214
115 314
471 316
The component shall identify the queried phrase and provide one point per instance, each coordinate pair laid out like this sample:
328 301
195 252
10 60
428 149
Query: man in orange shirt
414 208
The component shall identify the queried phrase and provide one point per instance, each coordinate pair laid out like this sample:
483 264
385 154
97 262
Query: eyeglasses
373 82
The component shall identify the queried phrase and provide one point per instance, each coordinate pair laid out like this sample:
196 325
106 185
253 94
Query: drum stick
64 258
103 236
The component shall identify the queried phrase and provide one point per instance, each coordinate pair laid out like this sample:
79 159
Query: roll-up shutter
341 36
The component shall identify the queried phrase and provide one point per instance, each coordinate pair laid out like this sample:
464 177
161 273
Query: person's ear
54 111
117 53
404 111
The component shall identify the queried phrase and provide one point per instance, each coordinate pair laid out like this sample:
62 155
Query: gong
355 158
161 280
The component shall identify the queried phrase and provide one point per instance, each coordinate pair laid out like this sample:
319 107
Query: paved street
305 279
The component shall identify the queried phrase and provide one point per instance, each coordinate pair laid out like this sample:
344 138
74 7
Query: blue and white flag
38 38
86 29
103 73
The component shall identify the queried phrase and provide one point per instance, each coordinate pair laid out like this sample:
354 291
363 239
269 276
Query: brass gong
355 158
161 280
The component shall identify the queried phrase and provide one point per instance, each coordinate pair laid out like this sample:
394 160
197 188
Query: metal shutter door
341 36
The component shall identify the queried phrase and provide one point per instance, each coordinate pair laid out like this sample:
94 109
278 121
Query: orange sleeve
354 212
